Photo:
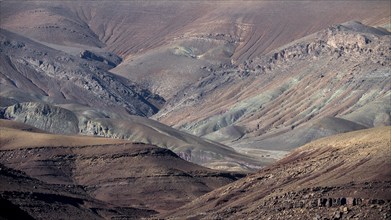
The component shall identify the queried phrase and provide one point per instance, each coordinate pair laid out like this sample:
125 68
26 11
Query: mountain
65 94
167 45
339 177
31 71
27 198
83 174
159 109
333 81
76 119
152 24
215 72
229 32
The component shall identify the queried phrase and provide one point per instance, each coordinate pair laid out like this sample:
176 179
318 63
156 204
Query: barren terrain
339 177
164 42
333 81
195 109
62 93
218 70
107 170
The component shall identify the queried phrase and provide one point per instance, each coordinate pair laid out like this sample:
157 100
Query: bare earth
345 175
195 110
113 172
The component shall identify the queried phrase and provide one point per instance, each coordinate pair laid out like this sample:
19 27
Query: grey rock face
32 72
46 117
107 58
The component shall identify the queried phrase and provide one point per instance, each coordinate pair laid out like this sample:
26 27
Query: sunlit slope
170 41
334 81
77 119
345 175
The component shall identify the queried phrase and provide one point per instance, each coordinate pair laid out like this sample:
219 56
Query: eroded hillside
226 74
31 71
105 106
114 174
334 81
340 177
66 94
164 42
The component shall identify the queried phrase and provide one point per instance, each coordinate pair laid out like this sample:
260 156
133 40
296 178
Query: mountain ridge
342 176
195 109
340 72
79 161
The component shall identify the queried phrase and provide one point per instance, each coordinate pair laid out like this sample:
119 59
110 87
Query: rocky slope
27 198
77 119
152 24
193 61
332 81
232 32
66 94
43 116
111 173
33 72
178 39
345 176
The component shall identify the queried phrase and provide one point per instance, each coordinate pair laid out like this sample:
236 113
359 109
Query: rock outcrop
109 59
43 116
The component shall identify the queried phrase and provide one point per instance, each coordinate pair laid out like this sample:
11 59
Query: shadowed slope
117 172
24 197
349 170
